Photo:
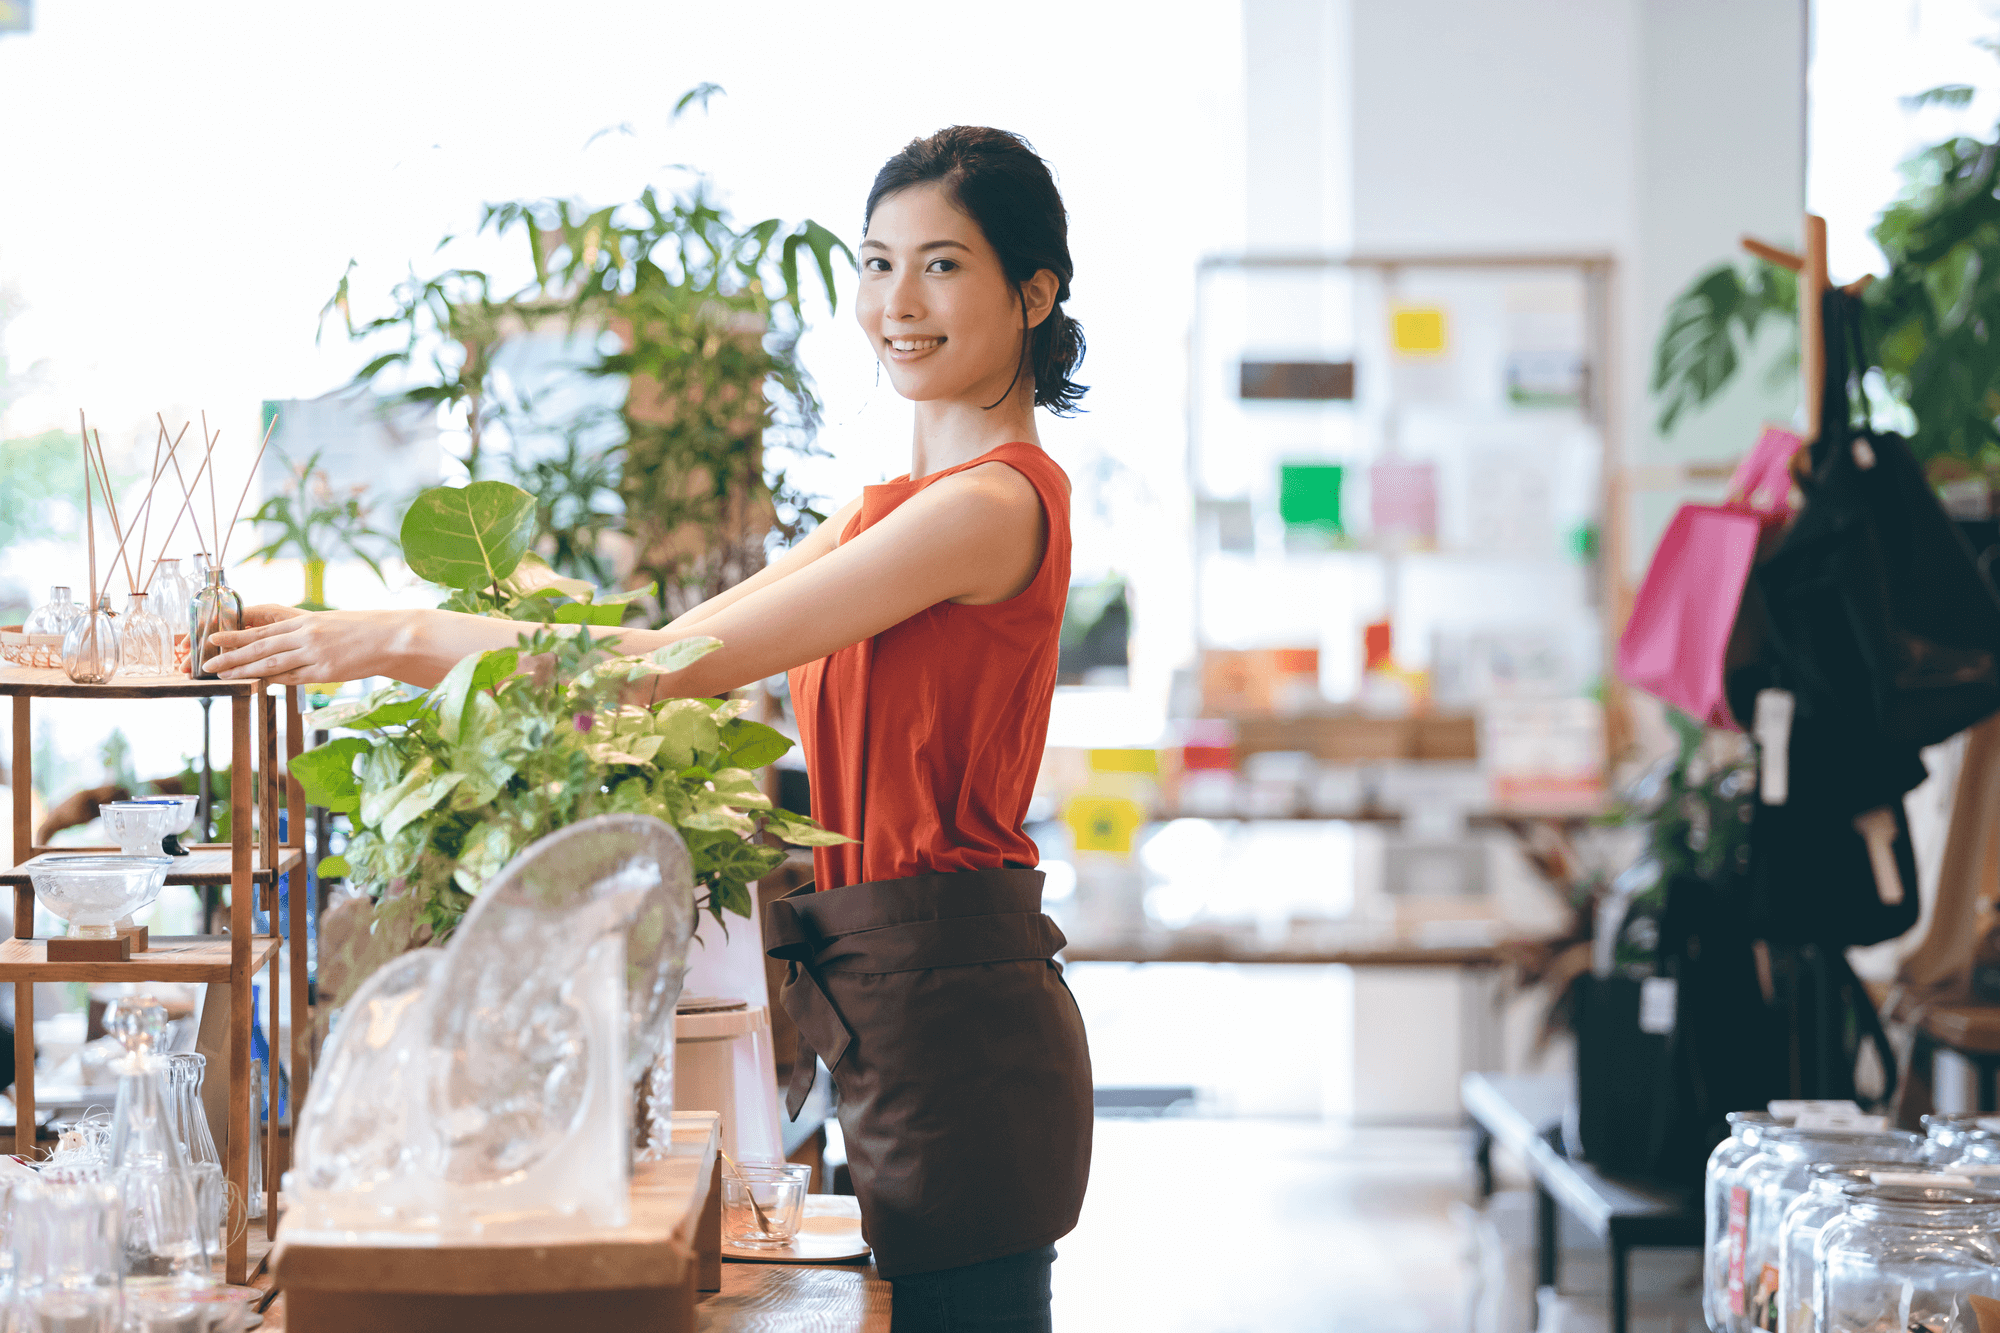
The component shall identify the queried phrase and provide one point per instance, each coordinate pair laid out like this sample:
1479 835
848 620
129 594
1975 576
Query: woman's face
936 303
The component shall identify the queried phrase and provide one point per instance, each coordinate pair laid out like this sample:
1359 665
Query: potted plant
314 521
443 787
702 321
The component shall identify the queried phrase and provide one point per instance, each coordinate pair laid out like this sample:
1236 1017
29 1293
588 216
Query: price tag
1772 726
1656 1005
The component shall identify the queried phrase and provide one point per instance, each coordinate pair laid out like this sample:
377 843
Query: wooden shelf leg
22 775
241 891
24 1068
269 1139
299 906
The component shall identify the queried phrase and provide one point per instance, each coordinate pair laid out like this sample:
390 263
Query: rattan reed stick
233 518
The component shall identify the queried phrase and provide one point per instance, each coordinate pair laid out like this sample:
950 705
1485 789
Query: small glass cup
779 1189
68 1262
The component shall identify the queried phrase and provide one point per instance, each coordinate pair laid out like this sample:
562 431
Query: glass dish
93 892
779 1192
138 827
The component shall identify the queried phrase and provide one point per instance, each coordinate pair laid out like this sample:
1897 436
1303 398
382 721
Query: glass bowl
184 806
138 827
93 892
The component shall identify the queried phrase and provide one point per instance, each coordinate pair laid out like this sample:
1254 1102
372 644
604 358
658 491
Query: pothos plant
447 786
444 787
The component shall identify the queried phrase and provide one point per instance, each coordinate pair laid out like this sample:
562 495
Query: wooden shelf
47 684
184 958
642 1275
205 863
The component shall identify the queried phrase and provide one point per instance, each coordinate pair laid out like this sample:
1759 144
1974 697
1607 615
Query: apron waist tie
907 947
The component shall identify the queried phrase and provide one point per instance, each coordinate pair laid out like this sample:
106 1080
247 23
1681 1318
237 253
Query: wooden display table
249 864
644 1275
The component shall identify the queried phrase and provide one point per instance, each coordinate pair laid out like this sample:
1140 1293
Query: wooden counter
644 1275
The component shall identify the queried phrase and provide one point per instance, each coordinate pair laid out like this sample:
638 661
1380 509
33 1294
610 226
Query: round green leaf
468 536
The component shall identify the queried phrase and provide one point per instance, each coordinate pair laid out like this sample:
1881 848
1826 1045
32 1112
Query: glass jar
1908 1257
1828 1194
56 615
91 646
1745 1127
1740 1277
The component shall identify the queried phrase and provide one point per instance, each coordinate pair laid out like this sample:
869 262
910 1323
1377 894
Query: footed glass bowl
184 805
138 827
93 892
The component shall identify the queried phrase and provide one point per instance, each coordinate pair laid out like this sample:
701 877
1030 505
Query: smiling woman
920 625
979 181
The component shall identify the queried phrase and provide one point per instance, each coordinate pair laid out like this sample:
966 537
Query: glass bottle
255 1203
148 649
171 593
215 608
91 648
1740 1274
56 615
165 1255
1908 1257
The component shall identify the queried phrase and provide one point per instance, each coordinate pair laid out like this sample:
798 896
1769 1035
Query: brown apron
958 1054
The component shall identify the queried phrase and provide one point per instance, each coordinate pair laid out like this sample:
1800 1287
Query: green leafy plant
313 522
474 540
702 321
445 787
1932 317
1711 327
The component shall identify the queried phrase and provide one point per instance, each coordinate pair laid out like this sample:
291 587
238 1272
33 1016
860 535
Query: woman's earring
878 374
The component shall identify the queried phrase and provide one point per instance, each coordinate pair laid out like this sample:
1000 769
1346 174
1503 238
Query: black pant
1009 1295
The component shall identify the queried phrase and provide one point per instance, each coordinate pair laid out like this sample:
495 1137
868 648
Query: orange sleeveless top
924 741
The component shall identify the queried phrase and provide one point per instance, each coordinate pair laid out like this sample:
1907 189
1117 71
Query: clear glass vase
215 608
186 1071
171 593
56 615
147 645
91 647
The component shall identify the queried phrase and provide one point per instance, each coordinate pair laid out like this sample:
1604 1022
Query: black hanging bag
1877 614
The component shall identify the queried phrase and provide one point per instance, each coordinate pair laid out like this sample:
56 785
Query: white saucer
829 1233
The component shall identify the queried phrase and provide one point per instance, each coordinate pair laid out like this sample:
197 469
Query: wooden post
1812 344
241 890
708 1232
23 778
269 1111
24 1068
300 906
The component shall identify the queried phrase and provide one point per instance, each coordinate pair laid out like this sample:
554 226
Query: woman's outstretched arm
974 537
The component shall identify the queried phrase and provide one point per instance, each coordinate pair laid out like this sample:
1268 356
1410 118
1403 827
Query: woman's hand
287 646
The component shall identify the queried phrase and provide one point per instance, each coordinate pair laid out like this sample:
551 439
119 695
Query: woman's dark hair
999 182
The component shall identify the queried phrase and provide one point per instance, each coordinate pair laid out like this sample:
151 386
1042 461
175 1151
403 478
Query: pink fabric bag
1674 643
